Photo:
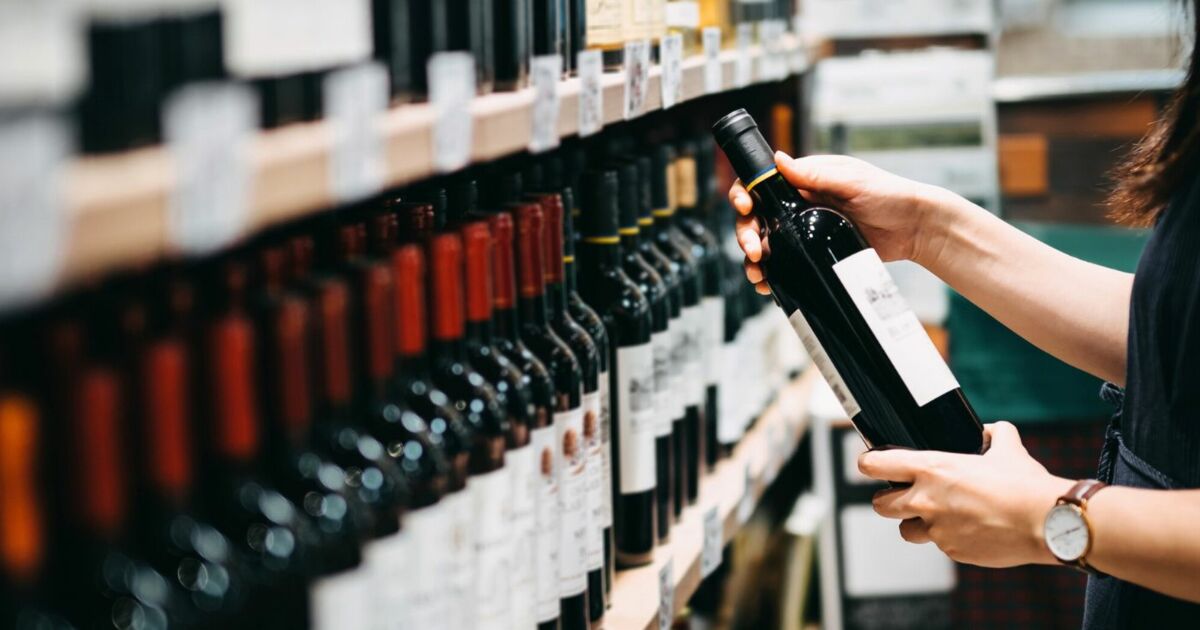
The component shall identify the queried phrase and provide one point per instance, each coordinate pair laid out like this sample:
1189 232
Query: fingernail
781 156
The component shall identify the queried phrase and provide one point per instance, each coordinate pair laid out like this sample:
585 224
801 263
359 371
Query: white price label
546 72
208 127
355 100
591 95
714 78
666 595
451 89
714 542
670 54
746 505
33 153
637 76
745 66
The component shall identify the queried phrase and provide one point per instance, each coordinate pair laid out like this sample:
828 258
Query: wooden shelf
635 595
117 204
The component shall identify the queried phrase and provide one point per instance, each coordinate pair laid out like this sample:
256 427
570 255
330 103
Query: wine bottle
842 302
570 456
626 315
470 29
542 434
391 33
668 407
513 42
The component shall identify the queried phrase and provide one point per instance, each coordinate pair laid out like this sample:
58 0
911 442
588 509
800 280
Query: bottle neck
507 323
630 239
479 332
596 257
450 349
772 195
556 300
569 273
534 309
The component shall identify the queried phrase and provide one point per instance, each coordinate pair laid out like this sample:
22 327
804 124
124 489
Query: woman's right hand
892 212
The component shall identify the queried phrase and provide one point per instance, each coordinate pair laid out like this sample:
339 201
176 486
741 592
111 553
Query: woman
1140 332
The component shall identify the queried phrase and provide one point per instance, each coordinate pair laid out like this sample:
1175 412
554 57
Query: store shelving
742 477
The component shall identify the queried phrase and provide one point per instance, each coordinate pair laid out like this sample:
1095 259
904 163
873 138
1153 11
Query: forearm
1072 309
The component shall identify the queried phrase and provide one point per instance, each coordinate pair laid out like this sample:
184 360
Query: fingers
894 503
747 231
762 288
753 272
819 174
740 199
898 465
914 530
1002 436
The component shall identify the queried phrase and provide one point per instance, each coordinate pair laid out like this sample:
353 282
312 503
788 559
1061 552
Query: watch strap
1082 491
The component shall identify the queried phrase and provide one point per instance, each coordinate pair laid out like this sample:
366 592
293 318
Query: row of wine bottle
446 408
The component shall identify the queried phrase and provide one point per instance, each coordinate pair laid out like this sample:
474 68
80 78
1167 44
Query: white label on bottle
677 328
546 539
428 556
451 89
714 320
683 14
714 542
342 600
572 502
591 93
41 52
728 423
546 74
694 377
355 100
34 150
714 77
746 505
461 603
523 464
606 518
670 56
744 67
208 128
666 596
896 327
637 76
596 489
492 509
393 579
824 365
635 413
664 403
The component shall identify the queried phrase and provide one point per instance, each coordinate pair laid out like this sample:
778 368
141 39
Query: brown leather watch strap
1082 491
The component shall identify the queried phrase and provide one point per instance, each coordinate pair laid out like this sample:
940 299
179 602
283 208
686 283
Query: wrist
1042 499
943 223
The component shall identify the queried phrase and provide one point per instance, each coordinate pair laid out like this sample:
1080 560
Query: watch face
1066 533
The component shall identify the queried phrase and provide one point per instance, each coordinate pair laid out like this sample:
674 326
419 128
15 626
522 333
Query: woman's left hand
978 509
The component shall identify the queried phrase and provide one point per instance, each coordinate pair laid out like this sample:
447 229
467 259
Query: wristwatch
1067 531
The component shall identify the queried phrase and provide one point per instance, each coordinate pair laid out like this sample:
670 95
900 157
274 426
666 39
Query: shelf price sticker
714 542
208 129
744 68
670 54
746 505
591 93
713 76
546 72
356 99
451 90
637 77
34 152
666 595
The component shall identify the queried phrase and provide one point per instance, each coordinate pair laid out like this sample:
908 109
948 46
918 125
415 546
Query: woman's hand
979 509
891 211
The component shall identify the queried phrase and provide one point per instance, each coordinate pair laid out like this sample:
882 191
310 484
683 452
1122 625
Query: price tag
451 89
744 67
34 149
208 127
637 76
713 76
746 505
546 73
714 543
666 595
670 54
355 100
591 95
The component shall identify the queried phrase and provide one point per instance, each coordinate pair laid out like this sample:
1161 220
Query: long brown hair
1167 158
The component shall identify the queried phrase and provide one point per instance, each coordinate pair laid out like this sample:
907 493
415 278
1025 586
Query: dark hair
1163 161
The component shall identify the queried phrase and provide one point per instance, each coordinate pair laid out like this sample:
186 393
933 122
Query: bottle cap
288 376
738 136
645 194
330 310
477 246
503 267
660 177
382 231
165 400
21 517
552 238
628 198
408 268
445 278
598 201
531 268
685 175
375 327
234 405
99 460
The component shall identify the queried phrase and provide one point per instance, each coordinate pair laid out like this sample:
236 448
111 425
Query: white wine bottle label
461 604
714 338
393 579
824 365
492 507
605 19
546 539
572 502
895 325
728 423
664 403
679 357
606 519
694 378
523 466
635 374
429 558
341 600
593 443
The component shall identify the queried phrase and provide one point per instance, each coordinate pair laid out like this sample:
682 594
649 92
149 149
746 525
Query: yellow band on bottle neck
758 180
645 221
628 231
568 259
602 240
664 213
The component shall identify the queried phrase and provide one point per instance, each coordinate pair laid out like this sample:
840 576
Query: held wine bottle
570 456
626 315
668 407
842 302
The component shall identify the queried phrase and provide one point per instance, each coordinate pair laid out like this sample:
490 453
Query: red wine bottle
668 407
850 315
570 455
626 314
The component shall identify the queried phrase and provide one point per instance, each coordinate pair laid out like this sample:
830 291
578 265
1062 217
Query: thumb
818 174
1003 436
